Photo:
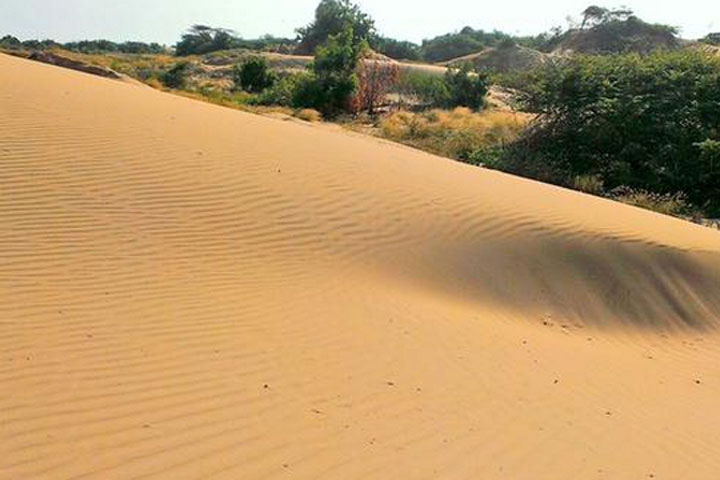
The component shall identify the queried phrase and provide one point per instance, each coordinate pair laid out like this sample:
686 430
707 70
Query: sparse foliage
375 79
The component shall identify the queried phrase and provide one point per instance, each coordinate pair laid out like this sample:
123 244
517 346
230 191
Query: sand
193 292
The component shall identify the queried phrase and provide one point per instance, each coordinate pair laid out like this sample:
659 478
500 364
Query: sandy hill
631 35
192 292
503 59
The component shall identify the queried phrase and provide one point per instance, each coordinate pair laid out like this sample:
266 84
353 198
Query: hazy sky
164 20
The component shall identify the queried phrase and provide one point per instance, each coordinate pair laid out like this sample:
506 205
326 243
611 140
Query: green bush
253 75
646 122
282 91
426 89
459 87
466 88
176 77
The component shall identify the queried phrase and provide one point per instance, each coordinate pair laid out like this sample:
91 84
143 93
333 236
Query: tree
8 41
254 75
334 81
332 17
201 39
375 78
593 15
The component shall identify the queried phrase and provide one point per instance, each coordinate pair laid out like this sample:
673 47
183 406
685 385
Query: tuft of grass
457 133
675 204
308 115
592 184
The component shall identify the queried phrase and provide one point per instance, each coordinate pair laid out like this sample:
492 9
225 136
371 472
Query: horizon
164 21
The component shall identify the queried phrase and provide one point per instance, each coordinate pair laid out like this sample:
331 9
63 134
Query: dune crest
188 291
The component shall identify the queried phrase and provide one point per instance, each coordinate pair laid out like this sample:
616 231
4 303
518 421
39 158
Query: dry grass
308 115
668 204
453 133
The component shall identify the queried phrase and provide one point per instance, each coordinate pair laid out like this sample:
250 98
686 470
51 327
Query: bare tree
375 78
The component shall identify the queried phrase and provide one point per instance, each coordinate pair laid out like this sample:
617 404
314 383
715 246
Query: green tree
333 17
593 15
334 81
201 39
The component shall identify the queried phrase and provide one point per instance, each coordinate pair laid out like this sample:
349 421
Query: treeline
202 39
600 30
84 46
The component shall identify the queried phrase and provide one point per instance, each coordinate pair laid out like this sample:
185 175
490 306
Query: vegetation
645 122
334 81
333 18
396 49
254 75
454 45
422 90
636 120
203 39
176 77
712 38
375 79
84 46
459 133
466 88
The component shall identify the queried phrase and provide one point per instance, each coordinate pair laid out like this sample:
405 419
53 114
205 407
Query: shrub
176 77
285 90
675 204
647 122
308 115
423 89
467 88
592 184
375 79
253 75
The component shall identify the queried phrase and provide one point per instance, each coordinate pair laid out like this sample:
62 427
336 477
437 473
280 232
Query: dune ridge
188 291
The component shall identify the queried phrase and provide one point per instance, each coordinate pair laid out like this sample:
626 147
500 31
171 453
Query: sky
163 21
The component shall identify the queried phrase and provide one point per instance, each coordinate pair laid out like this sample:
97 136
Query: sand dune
192 292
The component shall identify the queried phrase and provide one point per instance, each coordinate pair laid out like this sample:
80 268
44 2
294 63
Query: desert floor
193 292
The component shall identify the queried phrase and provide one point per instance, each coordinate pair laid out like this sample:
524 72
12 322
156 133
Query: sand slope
191 292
